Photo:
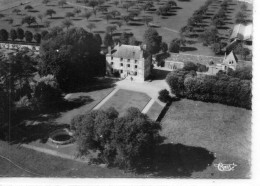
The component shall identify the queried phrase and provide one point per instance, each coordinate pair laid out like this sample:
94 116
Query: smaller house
229 62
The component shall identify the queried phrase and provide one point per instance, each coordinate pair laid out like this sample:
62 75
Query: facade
129 61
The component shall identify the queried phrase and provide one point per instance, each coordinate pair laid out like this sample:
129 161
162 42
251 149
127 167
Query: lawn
91 100
123 99
49 166
154 111
221 129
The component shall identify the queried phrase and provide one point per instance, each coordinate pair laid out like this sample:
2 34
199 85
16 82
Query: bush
164 96
189 66
221 88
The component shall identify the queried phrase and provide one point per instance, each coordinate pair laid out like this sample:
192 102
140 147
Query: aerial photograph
126 89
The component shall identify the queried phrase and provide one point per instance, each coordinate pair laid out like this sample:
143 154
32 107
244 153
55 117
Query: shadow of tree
185 49
177 160
38 127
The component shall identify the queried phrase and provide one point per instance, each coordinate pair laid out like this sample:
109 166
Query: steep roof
230 57
128 52
242 32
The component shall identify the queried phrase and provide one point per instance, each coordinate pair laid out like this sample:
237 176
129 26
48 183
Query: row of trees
127 142
20 34
225 89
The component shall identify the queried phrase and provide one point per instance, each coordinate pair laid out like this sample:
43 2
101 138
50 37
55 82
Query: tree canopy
71 56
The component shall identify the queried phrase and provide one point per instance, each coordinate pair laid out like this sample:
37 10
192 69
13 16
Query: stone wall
13 46
194 58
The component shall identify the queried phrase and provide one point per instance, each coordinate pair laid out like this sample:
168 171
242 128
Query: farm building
242 32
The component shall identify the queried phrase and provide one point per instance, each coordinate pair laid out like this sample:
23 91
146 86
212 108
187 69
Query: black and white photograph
127 89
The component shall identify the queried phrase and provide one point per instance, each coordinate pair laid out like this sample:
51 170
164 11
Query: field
124 99
220 129
168 26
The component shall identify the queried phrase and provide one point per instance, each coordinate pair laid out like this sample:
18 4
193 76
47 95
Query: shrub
189 66
164 96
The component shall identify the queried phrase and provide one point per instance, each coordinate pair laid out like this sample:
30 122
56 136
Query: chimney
109 50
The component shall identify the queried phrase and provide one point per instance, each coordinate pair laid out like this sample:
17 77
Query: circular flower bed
61 137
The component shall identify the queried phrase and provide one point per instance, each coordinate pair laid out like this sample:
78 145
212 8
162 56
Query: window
135 66
121 59
135 61
121 64
111 57
121 71
128 60
135 73
112 63
128 65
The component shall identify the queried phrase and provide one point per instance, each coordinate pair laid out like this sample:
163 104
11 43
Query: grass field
123 99
48 166
221 129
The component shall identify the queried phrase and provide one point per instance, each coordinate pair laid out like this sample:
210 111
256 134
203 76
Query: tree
114 13
77 11
91 26
62 3
28 20
119 24
47 23
28 36
241 17
45 2
108 17
189 66
16 11
20 33
164 47
171 3
245 52
175 46
243 7
3 35
28 7
128 142
37 37
50 12
132 41
124 39
71 56
152 41
147 20
164 96
44 33
216 48
111 29
209 36
66 23
13 34
87 15
46 93
98 39
40 16
116 3
126 18
69 15
93 3
108 40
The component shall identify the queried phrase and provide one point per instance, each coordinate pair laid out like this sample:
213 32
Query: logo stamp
225 167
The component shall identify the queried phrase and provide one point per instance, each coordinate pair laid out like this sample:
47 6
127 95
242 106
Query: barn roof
242 32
